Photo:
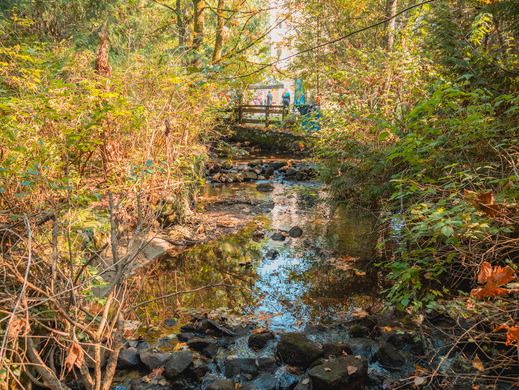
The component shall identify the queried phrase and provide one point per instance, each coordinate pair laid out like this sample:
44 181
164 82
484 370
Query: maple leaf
512 334
493 278
75 357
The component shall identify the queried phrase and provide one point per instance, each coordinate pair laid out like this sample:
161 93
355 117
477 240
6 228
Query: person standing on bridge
269 98
286 99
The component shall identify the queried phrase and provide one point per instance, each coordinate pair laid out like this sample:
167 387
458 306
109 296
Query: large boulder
177 363
240 366
264 381
344 373
264 187
297 350
152 359
257 341
389 357
295 232
128 358
221 384
277 237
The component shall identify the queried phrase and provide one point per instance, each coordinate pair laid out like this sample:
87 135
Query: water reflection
295 288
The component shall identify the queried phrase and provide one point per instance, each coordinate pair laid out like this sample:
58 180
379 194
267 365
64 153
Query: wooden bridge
267 114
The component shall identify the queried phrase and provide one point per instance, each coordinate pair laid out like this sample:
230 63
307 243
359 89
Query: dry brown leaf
75 357
512 334
352 370
478 364
359 313
17 327
493 278
419 381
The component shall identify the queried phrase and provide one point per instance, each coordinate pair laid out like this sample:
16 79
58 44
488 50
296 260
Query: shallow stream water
326 274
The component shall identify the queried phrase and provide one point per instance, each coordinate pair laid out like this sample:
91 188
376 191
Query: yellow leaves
478 364
512 334
493 278
75 357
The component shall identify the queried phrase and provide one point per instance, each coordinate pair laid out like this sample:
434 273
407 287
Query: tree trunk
391 9
218 42
198 23
181 25
102 60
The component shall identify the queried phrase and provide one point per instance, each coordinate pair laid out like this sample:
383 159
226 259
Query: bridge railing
268 113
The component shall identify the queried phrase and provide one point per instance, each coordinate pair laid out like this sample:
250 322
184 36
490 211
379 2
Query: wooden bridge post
240 109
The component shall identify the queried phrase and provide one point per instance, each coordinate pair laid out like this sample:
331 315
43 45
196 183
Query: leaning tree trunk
198 24
391 9
218 42
102 60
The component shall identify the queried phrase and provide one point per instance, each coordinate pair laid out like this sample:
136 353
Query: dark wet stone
336 350
177 363
389 357
153 359
305 383
364 347
128 358
218 329
268 172
188 328
185 336
143 384
198 369
210 351
221 384
296 349
358 330
264 187
240 366
267 363
346 372
272 254
264 381
169 322
290 172
200 343
406 341
143 345
277 237
295 232
277 165
258 341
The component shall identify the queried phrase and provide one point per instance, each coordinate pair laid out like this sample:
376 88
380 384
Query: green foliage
447 125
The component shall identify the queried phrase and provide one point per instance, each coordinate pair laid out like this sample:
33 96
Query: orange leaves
75 357
493 279
512 334
484 201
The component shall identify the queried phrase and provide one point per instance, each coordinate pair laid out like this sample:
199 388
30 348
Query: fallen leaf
75 356
156 372
512 334
359 313
327 369
352 370
305 381
478 364
179 346
419 380
493 278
